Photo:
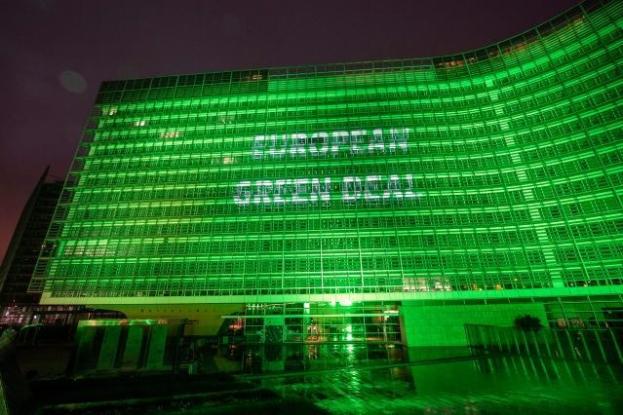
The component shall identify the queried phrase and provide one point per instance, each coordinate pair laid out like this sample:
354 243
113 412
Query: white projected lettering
325 144
283 191
374 188
350 189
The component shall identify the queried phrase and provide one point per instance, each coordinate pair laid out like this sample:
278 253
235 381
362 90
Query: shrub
528 323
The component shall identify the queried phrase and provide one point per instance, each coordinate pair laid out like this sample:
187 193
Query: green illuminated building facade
495 174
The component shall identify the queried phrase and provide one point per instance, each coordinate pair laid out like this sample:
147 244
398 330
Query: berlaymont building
394 199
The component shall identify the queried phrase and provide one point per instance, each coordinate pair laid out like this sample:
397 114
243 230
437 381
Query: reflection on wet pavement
469 386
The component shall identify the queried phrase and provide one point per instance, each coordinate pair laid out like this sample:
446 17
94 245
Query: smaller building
18 306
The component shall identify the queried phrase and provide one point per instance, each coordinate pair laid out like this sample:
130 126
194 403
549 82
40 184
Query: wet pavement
475 386
356 378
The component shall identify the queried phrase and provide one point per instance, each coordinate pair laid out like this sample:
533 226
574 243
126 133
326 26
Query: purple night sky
55 53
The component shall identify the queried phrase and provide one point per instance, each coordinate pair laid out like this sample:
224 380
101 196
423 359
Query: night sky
54 54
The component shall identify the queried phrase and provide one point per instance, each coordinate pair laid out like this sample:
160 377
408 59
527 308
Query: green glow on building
496 173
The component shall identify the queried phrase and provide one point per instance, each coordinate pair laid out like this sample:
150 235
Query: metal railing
596 345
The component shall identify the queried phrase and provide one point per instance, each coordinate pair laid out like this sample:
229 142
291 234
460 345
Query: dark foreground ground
35 380
163 394
341 379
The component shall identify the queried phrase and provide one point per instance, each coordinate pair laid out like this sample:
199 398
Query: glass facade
491 173
19 262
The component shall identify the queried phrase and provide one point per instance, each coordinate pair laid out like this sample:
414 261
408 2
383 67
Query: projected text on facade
372 188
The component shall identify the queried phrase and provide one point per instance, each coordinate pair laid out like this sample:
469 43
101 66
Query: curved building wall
492 173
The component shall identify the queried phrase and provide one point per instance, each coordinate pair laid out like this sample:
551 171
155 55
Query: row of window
550 102
586 169
354 264
571 124
244 230
329 246
581 200
218 170
378 283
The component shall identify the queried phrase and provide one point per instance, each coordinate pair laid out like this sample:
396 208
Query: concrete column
156 347
85 354
108 350
133 347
